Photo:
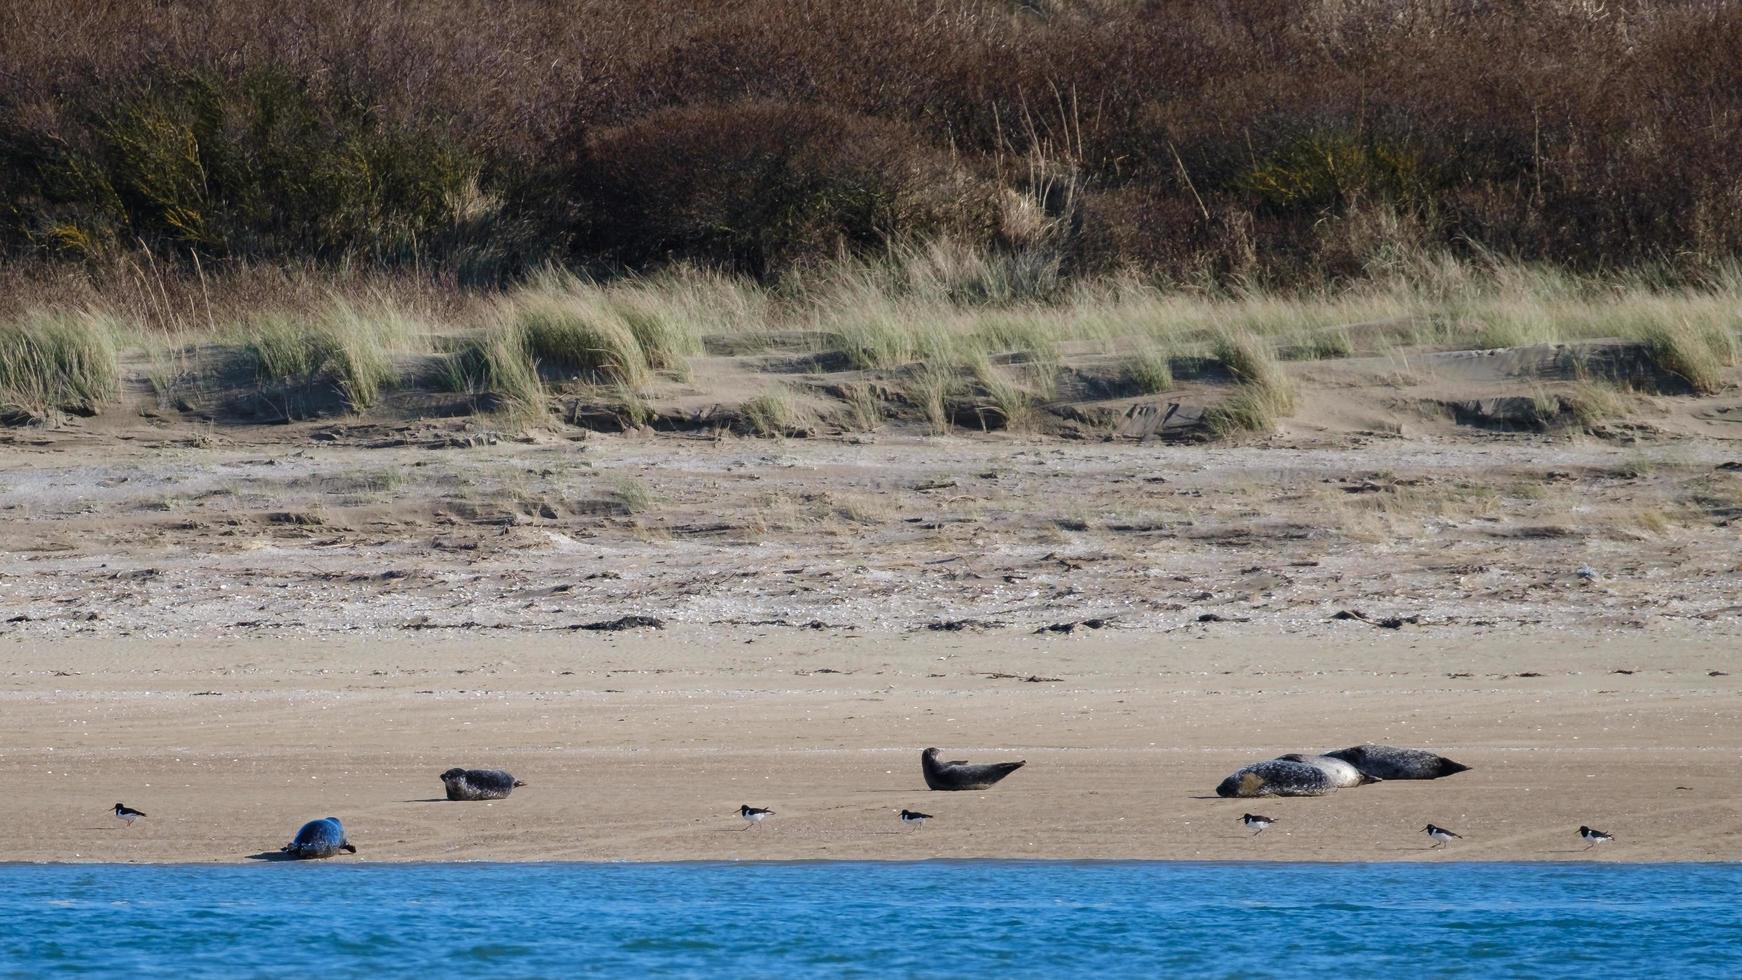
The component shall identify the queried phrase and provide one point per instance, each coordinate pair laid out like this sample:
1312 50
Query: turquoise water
924 919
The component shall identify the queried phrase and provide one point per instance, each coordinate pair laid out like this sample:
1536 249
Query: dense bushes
1270 140
759 185
263 164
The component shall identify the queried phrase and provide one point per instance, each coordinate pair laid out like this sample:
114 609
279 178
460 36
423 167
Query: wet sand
641 745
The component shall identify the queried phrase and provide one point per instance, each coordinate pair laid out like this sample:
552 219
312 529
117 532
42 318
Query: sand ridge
642 745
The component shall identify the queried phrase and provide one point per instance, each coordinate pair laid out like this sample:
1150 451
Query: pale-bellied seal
320 839
1390 762
963 775
1277 777
479 784
1341 774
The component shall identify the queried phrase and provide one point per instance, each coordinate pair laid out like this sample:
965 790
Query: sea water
979 918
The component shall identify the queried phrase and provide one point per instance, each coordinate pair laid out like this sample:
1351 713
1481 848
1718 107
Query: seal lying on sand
320 839
963 775
1277 777
1341 774
1390 762
479 784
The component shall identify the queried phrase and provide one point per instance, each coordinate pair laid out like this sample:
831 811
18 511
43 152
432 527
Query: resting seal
479 784
963 775
1341 774
1390 762
320 839
1277 777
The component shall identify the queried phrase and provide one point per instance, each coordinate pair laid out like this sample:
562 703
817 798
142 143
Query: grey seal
1390 762
963 775
479 784
1277 777
320 839
1342 774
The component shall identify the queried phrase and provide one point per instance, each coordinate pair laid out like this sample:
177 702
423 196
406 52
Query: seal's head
929 754
453 774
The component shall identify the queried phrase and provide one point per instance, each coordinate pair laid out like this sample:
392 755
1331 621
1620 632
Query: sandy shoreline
639 746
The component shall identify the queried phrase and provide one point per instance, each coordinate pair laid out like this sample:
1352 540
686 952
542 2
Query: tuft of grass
1150 370
1264 394
65 361
772 413
581 332
864 410
1594 402
349 345
1012 402
496 366
635 496
661 326
930 389
1251 408
1695 353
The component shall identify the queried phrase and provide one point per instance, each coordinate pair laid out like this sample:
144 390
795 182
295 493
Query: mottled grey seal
320 839
479 784
1341 774
963 775
1391 762
1277 777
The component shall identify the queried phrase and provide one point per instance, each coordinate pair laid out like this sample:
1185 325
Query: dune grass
52 360
350 344
774 412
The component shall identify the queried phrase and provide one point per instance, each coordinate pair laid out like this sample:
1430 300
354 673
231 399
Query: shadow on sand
271 856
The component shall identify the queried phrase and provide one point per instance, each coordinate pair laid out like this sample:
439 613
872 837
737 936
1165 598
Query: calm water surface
922 919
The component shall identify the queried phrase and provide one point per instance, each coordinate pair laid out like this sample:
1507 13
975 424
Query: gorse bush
1277 142
264 164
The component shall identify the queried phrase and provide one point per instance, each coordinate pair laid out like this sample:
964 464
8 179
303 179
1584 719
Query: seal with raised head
320 839
963 775
479 784
1341 774
1276 777
1391 762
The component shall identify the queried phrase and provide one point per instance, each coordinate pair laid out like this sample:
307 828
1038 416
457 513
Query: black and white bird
1594 837
127 814
1256 822
1440 835
753 815
914 817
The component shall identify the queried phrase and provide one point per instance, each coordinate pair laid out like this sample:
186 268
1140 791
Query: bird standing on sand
127 814
1254 820
914 817
1594 837
1440 835
754 815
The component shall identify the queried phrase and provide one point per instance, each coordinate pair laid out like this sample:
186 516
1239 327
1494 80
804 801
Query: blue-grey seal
1277 777
963 775
479 784
1390 762
320 839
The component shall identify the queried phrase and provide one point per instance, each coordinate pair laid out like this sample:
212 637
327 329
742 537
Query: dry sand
240 627
640 746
